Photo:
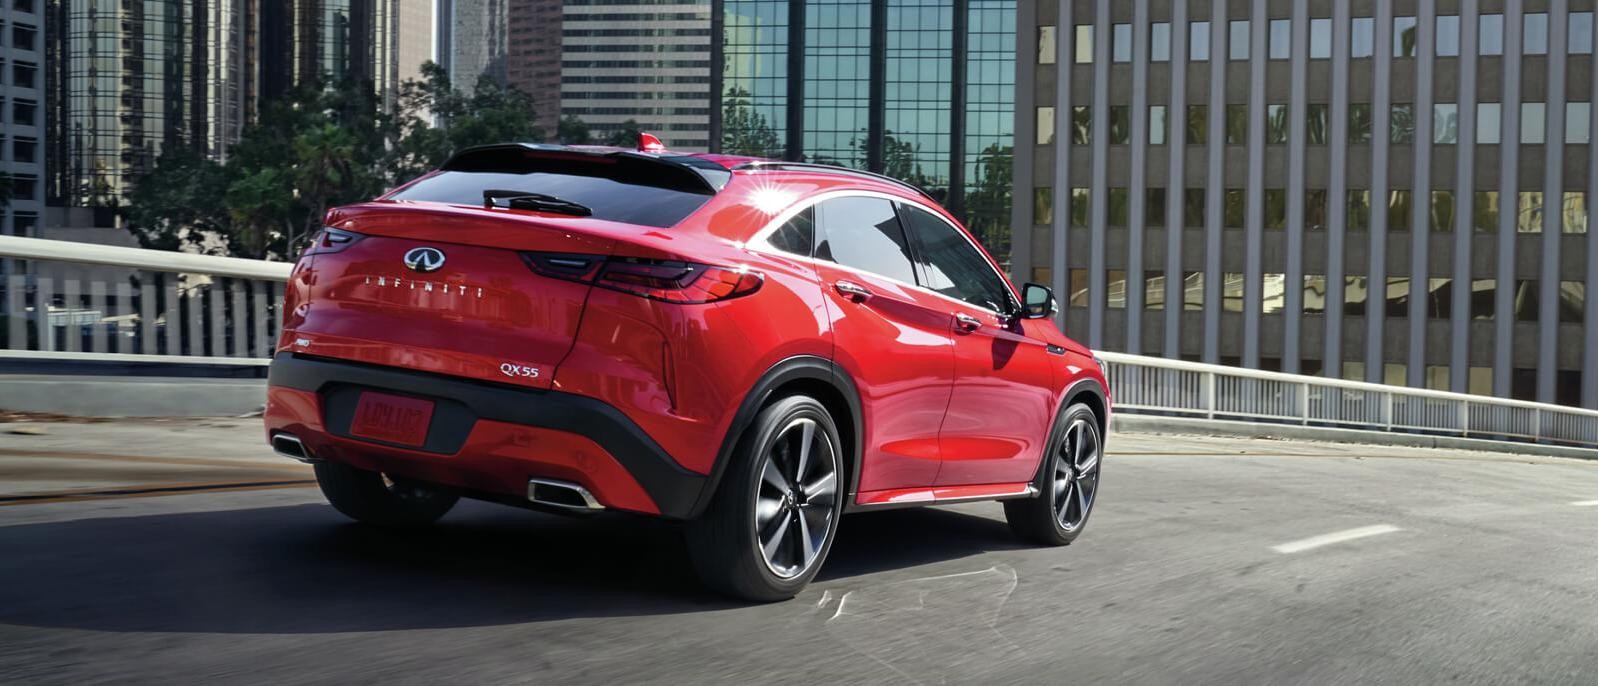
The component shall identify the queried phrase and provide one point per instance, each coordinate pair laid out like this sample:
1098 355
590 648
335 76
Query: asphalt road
1207 561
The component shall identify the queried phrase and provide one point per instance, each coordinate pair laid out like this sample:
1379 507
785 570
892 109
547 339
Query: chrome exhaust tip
289 446
562 494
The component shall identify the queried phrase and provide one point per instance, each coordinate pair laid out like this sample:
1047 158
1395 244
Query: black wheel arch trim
1071 396
796 368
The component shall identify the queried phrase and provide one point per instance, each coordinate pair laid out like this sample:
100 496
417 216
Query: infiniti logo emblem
425 260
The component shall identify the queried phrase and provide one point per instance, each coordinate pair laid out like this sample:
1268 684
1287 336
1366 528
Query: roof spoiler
682 172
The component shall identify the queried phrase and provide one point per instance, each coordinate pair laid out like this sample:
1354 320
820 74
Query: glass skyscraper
917 89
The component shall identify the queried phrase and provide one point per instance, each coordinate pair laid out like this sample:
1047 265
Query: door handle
967 322
852 290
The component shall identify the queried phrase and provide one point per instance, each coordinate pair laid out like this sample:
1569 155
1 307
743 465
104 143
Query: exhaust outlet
562 494
289 446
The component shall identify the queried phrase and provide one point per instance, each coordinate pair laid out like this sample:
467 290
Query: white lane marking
1304 544
1585 503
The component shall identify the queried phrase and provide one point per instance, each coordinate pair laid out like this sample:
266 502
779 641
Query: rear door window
864 233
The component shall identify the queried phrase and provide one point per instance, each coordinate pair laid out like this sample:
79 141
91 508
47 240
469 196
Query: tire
370 498
757 540
1068 482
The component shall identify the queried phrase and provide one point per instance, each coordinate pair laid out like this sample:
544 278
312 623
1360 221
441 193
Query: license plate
392 418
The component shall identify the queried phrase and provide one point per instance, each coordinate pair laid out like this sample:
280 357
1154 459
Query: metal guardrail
176 307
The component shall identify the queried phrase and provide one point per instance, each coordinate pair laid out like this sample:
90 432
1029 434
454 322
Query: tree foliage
626 136
745 131
573 131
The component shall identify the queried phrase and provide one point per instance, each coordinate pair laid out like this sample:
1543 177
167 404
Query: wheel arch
1086 391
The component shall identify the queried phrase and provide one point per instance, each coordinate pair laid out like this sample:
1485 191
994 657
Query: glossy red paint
945 412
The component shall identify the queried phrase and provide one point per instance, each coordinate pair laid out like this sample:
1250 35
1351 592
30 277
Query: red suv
751 346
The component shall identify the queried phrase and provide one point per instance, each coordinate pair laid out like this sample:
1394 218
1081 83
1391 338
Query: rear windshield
615 189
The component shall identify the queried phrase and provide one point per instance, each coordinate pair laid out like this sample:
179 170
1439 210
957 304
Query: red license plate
392 418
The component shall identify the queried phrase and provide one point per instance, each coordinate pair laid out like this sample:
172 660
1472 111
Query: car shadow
304 569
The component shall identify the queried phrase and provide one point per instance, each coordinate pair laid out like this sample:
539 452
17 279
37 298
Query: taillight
665 280
330 240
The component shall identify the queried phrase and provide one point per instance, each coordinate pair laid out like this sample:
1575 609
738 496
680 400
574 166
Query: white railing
1156 385
82 302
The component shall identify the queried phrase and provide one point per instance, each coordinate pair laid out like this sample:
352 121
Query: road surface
180 551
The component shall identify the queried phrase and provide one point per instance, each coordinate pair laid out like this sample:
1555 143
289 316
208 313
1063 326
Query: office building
472 40
533 57
643 62
22 117
918 90
1386 191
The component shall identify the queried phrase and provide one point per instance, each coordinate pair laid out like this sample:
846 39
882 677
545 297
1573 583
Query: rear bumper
484 437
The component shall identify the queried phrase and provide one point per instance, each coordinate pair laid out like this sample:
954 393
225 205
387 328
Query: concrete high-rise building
315 42
1393 191
414 37
22 51
533 57
640 61
919 90
472 40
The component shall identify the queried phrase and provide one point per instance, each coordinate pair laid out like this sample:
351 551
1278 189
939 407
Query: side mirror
1039 301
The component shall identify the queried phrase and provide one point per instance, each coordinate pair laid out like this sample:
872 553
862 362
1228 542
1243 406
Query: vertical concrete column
1065 39
1137 190
1337 193
1254 223
1216 148
1464 199
1381 141
1176 184
1298 107
1589 361
1553 205
1021 217
1508 187
1420 195
1099 187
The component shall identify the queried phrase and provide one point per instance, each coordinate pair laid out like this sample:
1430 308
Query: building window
1316 121
1236 124
23 112
1237 41
1484 211
23 186
1534 34
1402 124
1045 125
22 37
1276 125
1115 289
1121 43
1281 44
1359 210
1043 205
1232 292
1120 124
1314 294
1192 291
1362 37
1047 46
1320 39
1526 300
1198 124
1397 296
1437 377
1578 120
1079 207
1529 212
1442 211
1439 298
25 150
1533 119
1082 125
1314 210
1572 302
1481 380
1447 35
1120 209
1488 123
1154 207
1483 299
1234 208
1198 41
1404 36
1398 210
1359 122
1079 288
1575 210
1154 290
1581 29
1084 44
1160 42
1193 201
1275 208
1157 125
24 74
1273 292
1445 123
1490 35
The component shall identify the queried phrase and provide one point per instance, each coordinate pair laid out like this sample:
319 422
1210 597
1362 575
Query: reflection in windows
1275 208
797 235
1043 205
1232 292
1115 289
1397 296
1447 35
1354 371
1120 124
1120 208
1490 35
1442 211
1533 120
1157 125
1237 40
1534 33
1481 380
1081 125
1581 32
1483 298
1488 123
1079 288
1276 124
1281 39
1572 302
1192 291
1526 300
1080 204
1314 294
1198 124
838 64
1234 209
1236 124
864 233
1439 298
1160 42
1529 212
1045 125
1359 210
1047 47
1154 207
1362 37
1084 44
1315 210
951 266
1445 123
1273 293
1320 39
1484 211
1198 41
1437 377
1578 123
990 135
1316 122
1405 37
1121 43
1154 290
1393 373
1398 210
1402 124
1193 201
1359 122
1575 210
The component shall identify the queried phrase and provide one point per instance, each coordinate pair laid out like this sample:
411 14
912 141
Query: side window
864 233
952 266
797 235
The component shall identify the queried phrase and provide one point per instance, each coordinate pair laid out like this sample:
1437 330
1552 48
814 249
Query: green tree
573 131
626 136
179 202
745 131
987 204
